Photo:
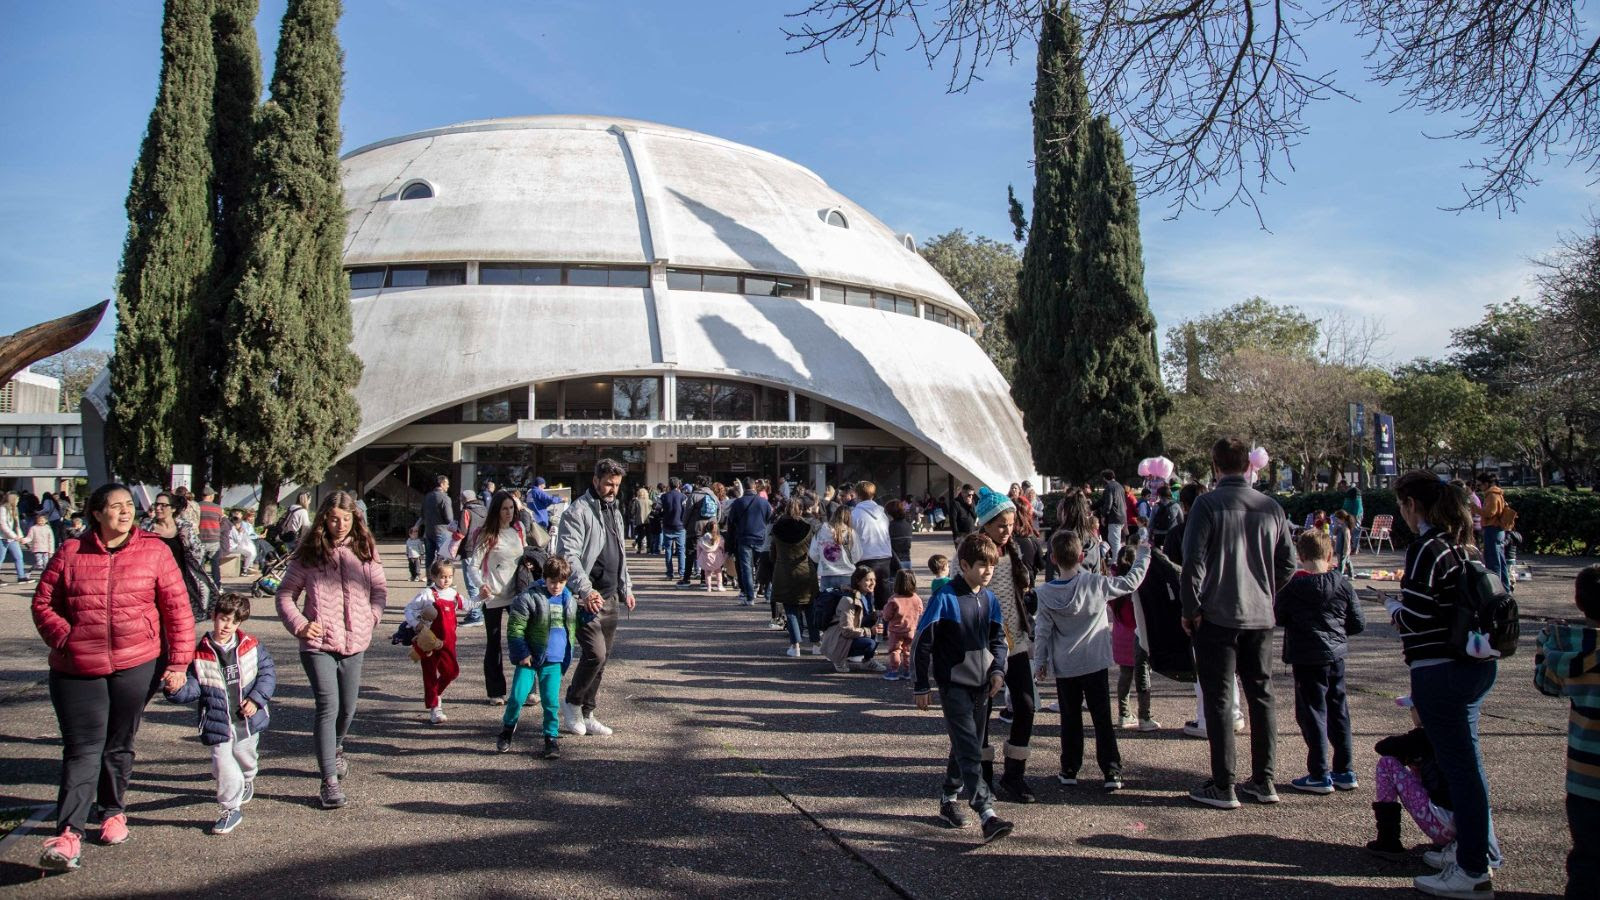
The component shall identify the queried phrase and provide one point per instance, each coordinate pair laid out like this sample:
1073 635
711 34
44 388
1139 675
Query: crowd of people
1123 581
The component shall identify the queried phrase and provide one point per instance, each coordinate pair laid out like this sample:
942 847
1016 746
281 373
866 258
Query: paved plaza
736 770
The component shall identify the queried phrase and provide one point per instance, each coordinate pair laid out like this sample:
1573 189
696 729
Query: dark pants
1447 698
1583 867
1095 688
595 638
1321 710
1494 554
966 718
672 544
1219 653
1024 698
494 670
414 564
99 718
883 590
745 560
863 647
335 686
800 622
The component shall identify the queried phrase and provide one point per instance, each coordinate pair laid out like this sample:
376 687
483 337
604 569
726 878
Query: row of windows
373 277
38 440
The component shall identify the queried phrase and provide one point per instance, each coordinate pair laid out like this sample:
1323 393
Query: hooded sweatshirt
872 528
1074 635
831 557
1568 665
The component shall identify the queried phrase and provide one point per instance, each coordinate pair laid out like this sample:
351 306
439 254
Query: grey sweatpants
335 682
966 718
234 763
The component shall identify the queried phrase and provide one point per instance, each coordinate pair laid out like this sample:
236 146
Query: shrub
1550 520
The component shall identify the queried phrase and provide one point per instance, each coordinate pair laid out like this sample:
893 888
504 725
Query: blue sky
1358 226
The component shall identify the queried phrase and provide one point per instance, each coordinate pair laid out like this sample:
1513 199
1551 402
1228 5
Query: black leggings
99 719
494 670
1024 698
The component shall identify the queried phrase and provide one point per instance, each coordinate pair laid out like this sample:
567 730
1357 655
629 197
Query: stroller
271 573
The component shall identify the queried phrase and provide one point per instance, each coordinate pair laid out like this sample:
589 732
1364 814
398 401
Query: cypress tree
1086 377
238 92
167 261
287 404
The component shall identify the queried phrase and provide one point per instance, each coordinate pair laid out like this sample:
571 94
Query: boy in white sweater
1072 644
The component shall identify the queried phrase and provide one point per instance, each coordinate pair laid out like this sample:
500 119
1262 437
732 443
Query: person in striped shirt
1568 665
1447 689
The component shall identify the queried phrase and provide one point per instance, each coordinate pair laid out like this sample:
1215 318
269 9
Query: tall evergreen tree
238 93
1086 380
287 404
167 261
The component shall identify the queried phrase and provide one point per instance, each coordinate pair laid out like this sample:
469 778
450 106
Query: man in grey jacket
1236 554
438 520
590 538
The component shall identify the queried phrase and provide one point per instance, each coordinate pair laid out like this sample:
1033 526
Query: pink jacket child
346 595
900 617
1124 634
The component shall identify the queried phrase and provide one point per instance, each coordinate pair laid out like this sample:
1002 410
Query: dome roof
609 190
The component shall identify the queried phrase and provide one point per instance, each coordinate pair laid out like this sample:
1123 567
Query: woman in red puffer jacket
113 608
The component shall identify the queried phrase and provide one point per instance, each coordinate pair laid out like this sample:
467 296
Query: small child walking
41 541
900 617
432 613
232 680
1568 665
1072 644
539 630
939 568
961 646
712 555
1318 610
414 552
1133 663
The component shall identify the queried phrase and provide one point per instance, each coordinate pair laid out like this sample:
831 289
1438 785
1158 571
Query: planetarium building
530 294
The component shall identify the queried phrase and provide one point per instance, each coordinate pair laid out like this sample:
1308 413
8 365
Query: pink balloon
1144 468
1161 467
1259 459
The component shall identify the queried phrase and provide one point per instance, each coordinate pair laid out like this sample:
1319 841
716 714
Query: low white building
39 445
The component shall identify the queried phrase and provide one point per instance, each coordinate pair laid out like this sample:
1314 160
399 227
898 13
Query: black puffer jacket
1318 613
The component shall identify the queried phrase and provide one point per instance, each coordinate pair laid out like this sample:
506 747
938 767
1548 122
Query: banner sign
1383 445
585 431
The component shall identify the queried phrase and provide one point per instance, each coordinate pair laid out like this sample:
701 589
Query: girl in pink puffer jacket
337 580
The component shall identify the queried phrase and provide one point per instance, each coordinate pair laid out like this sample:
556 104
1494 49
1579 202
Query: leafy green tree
77 368
168 261
1195 350
1439 415
984 272
1086 378
287 404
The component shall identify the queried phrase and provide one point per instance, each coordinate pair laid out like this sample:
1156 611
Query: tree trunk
267 507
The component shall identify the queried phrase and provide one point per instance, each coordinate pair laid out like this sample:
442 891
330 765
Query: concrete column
669 396
532 410
791 406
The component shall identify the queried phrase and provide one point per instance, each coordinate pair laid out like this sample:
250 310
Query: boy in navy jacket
960 644
232 678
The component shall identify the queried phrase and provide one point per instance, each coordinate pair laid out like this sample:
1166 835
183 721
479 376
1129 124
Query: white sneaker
572 721
1446 855
1128 722
436 715
594 726
1194 729
793 651
1149 725
1452 882
777 625
816 649
1052 706
1238 726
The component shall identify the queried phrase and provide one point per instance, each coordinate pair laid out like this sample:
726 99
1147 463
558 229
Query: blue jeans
13 549
438 545
672 548
1448 697
1494 554
473 579
745 559
863 647
794 617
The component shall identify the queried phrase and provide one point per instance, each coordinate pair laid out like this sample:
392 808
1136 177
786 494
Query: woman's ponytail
1445 505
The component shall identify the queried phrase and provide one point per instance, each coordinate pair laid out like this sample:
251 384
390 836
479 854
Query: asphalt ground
735 769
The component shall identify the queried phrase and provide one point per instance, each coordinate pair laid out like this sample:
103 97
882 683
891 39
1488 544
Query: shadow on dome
751 246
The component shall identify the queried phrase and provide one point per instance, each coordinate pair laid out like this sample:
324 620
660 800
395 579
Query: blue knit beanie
990 504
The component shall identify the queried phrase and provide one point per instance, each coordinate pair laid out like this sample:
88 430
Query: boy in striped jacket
232 678
1568 665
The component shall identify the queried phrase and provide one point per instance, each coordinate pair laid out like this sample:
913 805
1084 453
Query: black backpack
827 606
281 532
1484 607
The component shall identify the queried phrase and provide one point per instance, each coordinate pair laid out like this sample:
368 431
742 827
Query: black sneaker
502 744
552 749
995 828
1263 791
332 795
341 767
1014 791
1212 795
950 813
1068 780
1113 781
1005 716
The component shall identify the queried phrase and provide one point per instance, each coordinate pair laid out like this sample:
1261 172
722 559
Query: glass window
883 301
703 398
588 398
905 306
837 219
629 276
588 276
426 276
683 279
854 296
496 408
366 278
793 288
516 273
636 398
832 293
416 190
721 283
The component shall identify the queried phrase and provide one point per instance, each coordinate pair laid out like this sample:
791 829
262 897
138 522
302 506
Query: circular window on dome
909 242
416 189
835 217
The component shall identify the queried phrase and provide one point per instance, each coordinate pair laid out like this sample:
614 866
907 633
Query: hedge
1552 521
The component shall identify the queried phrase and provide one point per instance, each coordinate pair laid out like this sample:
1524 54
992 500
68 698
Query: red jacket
101 611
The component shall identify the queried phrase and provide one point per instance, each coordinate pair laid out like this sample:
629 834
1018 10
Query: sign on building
585 431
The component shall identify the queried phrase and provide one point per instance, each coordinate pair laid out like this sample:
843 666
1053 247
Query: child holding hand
900 617
432 613
539 632
414 552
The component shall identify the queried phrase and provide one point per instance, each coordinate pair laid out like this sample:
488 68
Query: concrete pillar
658 460
532 410
791 406
669 397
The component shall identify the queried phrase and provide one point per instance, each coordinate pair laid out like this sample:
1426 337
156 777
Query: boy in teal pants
539 635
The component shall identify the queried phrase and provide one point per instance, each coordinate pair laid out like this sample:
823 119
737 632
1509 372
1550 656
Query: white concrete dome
582 191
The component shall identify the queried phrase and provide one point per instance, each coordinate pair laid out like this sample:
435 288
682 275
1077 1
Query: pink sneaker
61 852
114 830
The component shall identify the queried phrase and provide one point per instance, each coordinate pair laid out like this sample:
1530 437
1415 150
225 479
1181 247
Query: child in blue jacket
232 678
540 630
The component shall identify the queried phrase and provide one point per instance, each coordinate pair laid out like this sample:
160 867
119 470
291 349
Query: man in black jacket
963 515
1113 511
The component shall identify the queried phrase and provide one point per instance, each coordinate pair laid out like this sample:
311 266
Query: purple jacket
346 595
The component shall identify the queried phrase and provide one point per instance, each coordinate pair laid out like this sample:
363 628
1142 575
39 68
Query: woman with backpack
794 574
1447 686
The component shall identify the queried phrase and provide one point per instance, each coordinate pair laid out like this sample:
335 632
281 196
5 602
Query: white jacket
833 558
872 528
